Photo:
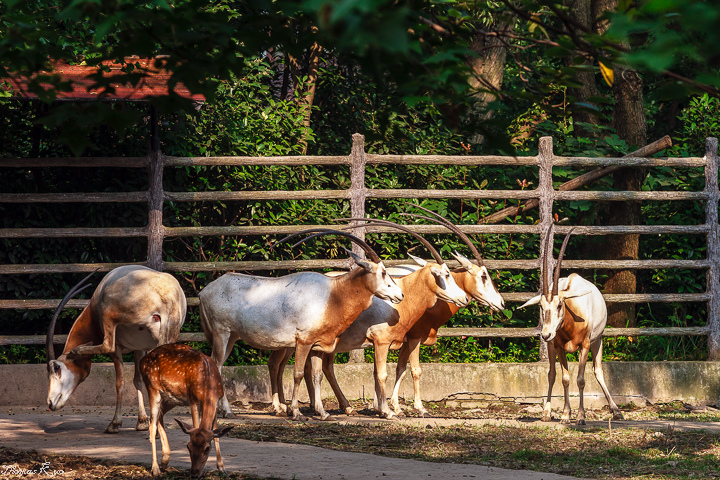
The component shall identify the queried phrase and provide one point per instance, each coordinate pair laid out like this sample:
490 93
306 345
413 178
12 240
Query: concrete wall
469 384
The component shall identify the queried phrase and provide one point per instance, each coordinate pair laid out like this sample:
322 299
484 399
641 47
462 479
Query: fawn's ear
222 431
184 426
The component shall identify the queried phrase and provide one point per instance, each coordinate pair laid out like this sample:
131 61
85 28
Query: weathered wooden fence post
155 229
547 196
713 247
357 208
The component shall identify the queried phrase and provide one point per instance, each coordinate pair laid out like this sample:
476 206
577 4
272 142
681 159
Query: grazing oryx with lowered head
134 309
573 318
306 311
384 326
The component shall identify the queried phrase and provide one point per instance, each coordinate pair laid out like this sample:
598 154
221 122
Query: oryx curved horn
451 226
318 232
79 287
369 222
556 278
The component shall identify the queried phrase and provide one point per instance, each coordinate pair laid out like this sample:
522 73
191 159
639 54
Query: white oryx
306 311
133 309
573 317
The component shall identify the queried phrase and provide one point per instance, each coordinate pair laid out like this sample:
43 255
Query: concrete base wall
696 383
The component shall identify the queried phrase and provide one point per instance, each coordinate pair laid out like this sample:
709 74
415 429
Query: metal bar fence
358 194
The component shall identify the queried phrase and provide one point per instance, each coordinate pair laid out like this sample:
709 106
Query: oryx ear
464 262
567 294
359 261
418 260
532 301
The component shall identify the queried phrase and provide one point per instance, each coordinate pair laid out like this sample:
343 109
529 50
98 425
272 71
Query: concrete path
81 433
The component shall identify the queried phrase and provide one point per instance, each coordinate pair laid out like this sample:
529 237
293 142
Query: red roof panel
154 82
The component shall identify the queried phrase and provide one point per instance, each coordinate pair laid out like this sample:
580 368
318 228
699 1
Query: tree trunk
581 12
629 122
306 98
488 67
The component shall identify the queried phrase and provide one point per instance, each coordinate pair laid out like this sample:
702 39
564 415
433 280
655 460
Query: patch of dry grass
617 454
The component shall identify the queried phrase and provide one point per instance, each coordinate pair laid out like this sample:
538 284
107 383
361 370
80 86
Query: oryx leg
313 380
328 366
400 371
562 357
582 361
381 353
142 423
302 351
105 348
416 372
116 422
596 349
222 343
280 372
276 364
547 409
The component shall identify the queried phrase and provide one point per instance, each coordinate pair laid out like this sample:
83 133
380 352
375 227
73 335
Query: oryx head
383 285
475 280
64 374
378 280
444 286
552 302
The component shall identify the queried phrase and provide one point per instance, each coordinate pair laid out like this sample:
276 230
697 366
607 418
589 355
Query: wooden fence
156 232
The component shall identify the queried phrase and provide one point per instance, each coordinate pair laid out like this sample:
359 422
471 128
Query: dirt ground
72 441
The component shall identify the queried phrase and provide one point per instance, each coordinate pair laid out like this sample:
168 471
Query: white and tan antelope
133 309
176 374
473 279
385 325
573 316
306 311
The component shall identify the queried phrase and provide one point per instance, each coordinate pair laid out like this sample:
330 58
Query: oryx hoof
299 417
546 417
618 416
565 421
327 418
142 424
351 412
389 415
155 471
580 421
114 427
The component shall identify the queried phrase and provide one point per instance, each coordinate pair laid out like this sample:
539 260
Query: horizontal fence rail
357 194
